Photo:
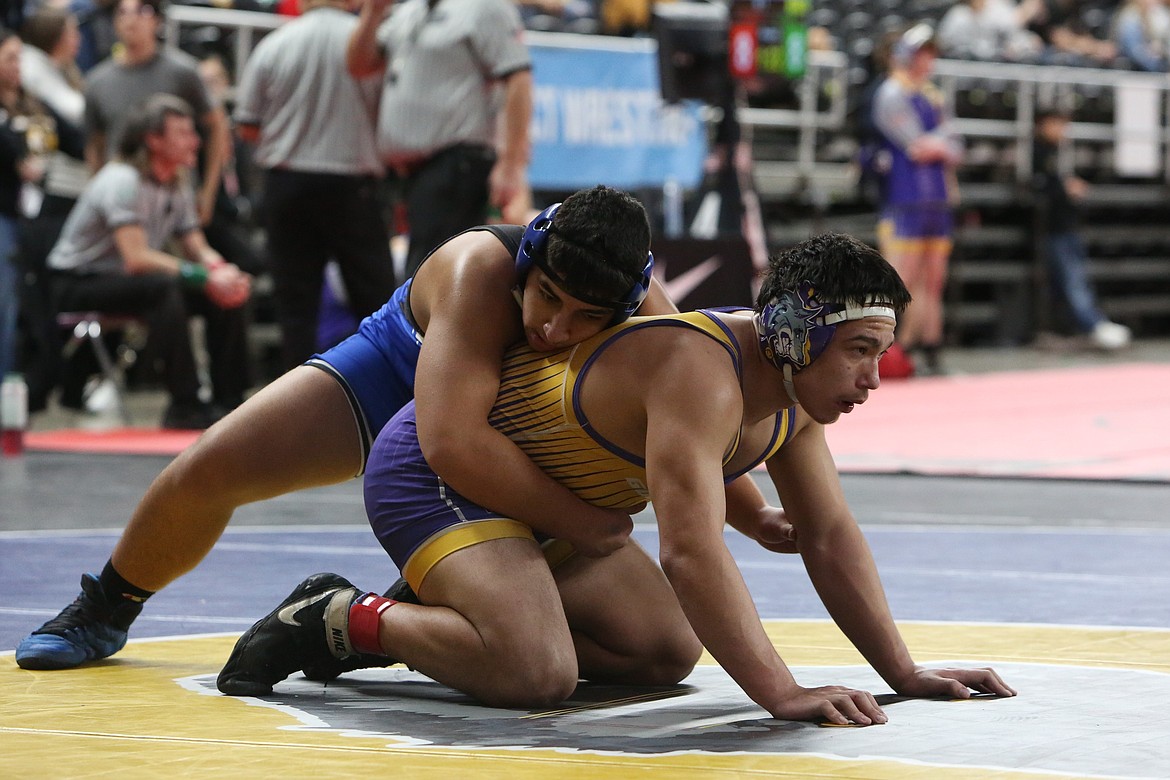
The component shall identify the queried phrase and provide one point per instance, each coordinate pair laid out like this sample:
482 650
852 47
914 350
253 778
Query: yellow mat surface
151 711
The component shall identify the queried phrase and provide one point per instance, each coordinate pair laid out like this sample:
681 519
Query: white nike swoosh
685 283
287 615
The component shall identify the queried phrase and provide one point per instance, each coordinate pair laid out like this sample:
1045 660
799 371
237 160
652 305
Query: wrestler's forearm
492 471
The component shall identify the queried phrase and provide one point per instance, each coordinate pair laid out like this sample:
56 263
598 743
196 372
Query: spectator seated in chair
110 258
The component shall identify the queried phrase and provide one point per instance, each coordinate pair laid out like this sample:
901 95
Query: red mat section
122 441
1085 423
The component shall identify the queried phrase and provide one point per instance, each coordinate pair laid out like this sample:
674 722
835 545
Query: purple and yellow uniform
419 519
916 206
376 365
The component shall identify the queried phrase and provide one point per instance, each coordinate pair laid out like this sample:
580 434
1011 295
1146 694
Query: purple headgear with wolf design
794 327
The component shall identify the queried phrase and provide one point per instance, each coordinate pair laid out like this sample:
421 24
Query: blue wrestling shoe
308 629
88 629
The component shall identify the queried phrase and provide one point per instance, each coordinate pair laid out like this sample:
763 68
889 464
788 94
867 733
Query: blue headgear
533 251
794 327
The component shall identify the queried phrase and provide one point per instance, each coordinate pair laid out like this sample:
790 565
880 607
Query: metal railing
827 76
1037 86
826 71
245 23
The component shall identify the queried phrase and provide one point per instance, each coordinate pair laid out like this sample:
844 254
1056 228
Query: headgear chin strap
534 251
794 328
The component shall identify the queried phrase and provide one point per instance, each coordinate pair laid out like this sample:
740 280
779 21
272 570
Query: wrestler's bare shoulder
473 268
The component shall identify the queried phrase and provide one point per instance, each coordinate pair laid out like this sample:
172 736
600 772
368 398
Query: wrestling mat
1088 649
1063 588
1090 705
1080 423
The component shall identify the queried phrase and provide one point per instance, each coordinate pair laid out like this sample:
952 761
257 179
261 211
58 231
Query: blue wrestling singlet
376 365
419 519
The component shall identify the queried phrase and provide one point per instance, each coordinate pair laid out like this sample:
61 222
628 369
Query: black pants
166 306
446 195
40 345
228 236
309 219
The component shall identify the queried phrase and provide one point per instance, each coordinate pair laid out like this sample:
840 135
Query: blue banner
598 117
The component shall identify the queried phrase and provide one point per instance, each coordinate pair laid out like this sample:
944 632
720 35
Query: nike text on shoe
331 668
88 629
307 628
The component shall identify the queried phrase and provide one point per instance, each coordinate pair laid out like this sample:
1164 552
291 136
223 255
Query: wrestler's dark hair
840 268
599 243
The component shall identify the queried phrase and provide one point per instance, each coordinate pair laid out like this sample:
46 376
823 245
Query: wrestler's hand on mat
604 533
774 532
830 704
954 683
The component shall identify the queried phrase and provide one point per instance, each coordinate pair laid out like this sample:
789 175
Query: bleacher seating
998 290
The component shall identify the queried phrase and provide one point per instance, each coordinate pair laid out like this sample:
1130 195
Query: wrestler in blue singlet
419 519
376 365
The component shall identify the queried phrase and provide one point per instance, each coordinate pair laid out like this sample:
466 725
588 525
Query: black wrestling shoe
308 628
401 591
331 668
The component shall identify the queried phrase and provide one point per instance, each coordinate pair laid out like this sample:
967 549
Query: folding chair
89 326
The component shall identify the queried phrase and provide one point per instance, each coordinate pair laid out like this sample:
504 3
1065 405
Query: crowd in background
1124 34
1057 32
65 219
62 97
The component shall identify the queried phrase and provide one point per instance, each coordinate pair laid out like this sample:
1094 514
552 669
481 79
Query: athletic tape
364 616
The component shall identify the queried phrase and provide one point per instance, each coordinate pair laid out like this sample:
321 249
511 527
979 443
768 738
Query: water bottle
13 414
